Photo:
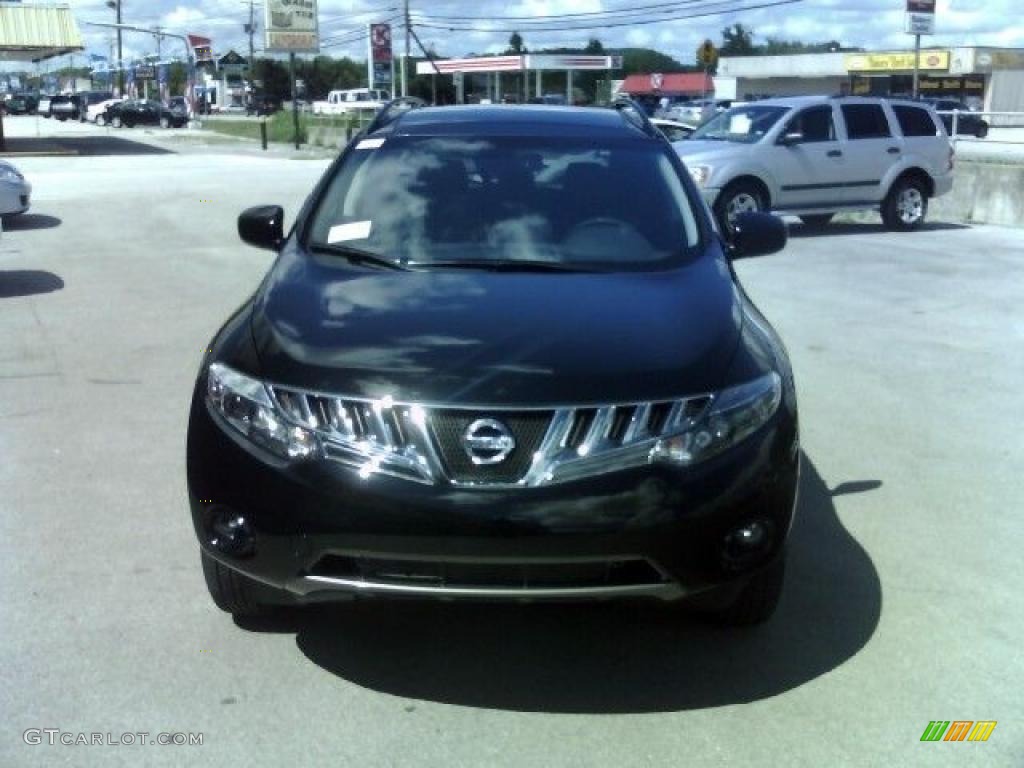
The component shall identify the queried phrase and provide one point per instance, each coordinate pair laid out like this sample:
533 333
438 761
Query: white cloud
873 24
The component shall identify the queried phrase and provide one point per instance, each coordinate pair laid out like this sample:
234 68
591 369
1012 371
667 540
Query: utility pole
156 67
405 79
917 61
251 29
116 5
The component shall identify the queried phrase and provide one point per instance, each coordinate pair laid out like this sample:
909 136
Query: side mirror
757 234
790 138
262 226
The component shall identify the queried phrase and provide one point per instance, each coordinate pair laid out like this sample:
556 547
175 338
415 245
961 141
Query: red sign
202 47
380 42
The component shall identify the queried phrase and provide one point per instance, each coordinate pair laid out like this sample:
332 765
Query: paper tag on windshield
354 230
370 144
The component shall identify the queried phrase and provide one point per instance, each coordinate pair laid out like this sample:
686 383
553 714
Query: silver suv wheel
910 205
744 202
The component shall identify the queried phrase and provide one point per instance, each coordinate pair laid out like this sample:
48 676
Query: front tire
816 220
739 197
165 123
101 120
982 130
905 207
116 122
757 601
231 591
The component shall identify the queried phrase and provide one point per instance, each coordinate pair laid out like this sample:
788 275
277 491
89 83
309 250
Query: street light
116 6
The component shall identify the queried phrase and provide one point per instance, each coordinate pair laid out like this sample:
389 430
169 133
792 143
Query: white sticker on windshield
355 230
370 144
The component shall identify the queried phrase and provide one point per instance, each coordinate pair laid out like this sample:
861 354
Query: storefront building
985 78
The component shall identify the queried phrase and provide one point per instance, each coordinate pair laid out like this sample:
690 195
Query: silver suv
813 156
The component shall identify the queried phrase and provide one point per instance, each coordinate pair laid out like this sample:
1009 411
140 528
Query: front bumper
320 532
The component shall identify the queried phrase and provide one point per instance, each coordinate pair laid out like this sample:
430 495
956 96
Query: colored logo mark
958 730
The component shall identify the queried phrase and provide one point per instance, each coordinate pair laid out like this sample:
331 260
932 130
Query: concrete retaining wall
983 193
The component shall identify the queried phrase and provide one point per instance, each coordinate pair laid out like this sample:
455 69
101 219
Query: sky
871 24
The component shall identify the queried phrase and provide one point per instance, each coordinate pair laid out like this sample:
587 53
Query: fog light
230 532
748 544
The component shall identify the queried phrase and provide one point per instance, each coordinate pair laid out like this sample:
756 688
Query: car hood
694 151
477 337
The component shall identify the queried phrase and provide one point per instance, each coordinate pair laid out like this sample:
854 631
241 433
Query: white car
814 156
15 192
674 130
699 110
94 113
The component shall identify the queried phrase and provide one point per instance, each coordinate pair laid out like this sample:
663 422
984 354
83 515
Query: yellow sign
887 62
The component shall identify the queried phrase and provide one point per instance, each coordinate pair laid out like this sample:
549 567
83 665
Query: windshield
746 125
575 202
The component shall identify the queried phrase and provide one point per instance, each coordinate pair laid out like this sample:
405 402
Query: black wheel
758 600
982 130
231 591
116 121
739 197
816 220
101 120
165 123
906 205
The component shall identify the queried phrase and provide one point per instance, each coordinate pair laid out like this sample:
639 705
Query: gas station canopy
527 62
34 33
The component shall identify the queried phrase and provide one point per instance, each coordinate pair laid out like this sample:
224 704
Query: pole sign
380 59
920 19
291 26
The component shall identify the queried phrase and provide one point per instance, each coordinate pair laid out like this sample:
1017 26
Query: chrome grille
425 444
527 427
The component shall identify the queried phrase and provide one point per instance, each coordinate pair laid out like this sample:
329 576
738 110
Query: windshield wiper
358 256
499 265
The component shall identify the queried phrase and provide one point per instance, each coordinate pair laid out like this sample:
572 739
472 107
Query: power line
606 25
631 10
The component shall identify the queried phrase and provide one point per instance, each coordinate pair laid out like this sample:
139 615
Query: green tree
647 60
515 44
737 40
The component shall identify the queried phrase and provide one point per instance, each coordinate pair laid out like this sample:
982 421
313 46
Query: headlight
10 175
246 405
700 174
734 414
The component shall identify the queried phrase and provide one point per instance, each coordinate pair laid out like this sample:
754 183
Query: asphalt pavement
903 602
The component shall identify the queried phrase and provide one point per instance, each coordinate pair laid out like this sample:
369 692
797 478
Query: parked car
673 129
180 108
353 99
62 107
83 100
97 113
814 156
15 191
967 123
263 105
439 391
21 104
134 112
698 110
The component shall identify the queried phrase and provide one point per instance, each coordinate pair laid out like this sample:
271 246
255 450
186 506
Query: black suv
128 114
502 354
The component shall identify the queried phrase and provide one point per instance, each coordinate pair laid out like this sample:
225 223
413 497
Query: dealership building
988 78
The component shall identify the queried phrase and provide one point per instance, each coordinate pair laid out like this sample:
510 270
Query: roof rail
634 114
393 110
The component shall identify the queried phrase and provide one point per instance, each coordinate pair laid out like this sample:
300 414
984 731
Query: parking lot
902 603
